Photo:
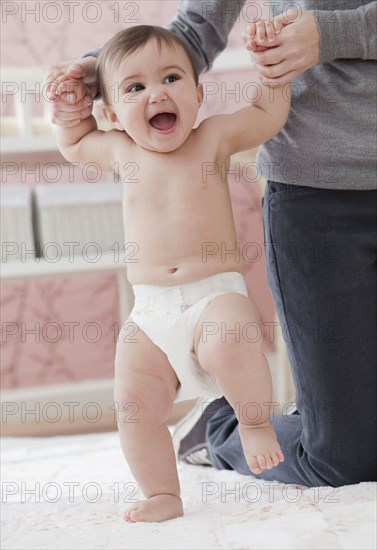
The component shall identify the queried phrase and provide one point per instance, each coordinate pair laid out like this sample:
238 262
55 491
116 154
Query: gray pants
321 259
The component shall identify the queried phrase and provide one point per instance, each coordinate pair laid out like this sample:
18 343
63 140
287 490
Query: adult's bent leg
321 260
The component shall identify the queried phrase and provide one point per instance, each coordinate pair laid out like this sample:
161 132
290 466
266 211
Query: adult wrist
339 34
94 53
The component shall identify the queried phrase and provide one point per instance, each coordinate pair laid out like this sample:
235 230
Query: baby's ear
111 117
200 91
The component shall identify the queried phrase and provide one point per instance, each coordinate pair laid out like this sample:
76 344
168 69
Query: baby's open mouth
163 121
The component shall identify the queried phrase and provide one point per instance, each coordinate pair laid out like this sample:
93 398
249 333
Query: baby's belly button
173 270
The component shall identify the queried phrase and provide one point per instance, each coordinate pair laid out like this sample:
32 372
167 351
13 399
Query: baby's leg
145 389
228 344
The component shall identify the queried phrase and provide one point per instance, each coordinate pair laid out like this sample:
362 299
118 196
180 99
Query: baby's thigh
143 375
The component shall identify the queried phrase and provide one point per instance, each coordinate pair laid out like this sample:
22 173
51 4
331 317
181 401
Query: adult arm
348 34
319 37
204 26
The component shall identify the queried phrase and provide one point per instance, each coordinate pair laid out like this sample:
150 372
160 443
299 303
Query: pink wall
40 345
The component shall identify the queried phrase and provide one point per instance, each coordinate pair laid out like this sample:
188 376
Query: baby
188 279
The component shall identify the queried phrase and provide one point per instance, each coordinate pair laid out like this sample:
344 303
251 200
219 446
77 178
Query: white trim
84 391
85 406
40 267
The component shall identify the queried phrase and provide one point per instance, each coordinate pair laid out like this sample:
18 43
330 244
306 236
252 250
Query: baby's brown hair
129 41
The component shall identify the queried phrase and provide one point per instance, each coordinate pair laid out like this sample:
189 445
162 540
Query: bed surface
83 484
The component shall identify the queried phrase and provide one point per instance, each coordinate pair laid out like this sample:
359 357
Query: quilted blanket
70 492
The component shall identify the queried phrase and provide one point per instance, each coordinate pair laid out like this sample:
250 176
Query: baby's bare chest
186 182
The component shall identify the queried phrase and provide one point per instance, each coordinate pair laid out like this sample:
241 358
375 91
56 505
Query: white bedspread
82 485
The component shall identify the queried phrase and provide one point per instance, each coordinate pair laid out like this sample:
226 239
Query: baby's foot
261 448
156 508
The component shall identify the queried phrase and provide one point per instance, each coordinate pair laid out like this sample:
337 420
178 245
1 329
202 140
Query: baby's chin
167 147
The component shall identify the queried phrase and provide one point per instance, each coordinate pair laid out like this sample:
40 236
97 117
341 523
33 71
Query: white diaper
160 311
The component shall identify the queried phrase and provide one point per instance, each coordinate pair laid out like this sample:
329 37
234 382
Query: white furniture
16 222
72 229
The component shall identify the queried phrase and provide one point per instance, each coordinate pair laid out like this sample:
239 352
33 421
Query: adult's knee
346 464
363 469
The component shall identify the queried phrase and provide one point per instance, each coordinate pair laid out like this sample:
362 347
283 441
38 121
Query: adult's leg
321 259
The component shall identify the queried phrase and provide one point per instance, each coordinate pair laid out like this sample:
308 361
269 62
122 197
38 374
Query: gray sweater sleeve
204 26
348 34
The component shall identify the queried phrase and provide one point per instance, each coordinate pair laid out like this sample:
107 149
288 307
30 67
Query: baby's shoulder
119 141
209 132
212 127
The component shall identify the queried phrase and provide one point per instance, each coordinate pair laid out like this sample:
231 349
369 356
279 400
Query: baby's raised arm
83 142
263 119
250 127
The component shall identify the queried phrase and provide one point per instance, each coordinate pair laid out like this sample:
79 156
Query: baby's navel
173 270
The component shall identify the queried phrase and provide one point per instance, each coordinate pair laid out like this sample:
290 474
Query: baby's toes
127 517
280 456
131 515
136 515
269 462
275 459
253 465
261 462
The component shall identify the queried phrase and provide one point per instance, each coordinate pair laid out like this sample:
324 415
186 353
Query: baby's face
154 97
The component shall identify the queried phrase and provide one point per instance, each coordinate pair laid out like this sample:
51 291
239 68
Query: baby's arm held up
83 142
251 126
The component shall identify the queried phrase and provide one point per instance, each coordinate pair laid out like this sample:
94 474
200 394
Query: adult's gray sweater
330 138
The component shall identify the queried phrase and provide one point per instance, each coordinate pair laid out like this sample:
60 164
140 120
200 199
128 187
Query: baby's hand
64 89
261 34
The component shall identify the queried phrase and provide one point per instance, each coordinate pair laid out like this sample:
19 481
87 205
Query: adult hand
68 110
295 49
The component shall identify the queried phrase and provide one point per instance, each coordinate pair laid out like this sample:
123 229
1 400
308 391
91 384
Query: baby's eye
134 88
171 78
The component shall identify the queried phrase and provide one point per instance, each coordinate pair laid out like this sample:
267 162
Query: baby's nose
157 94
